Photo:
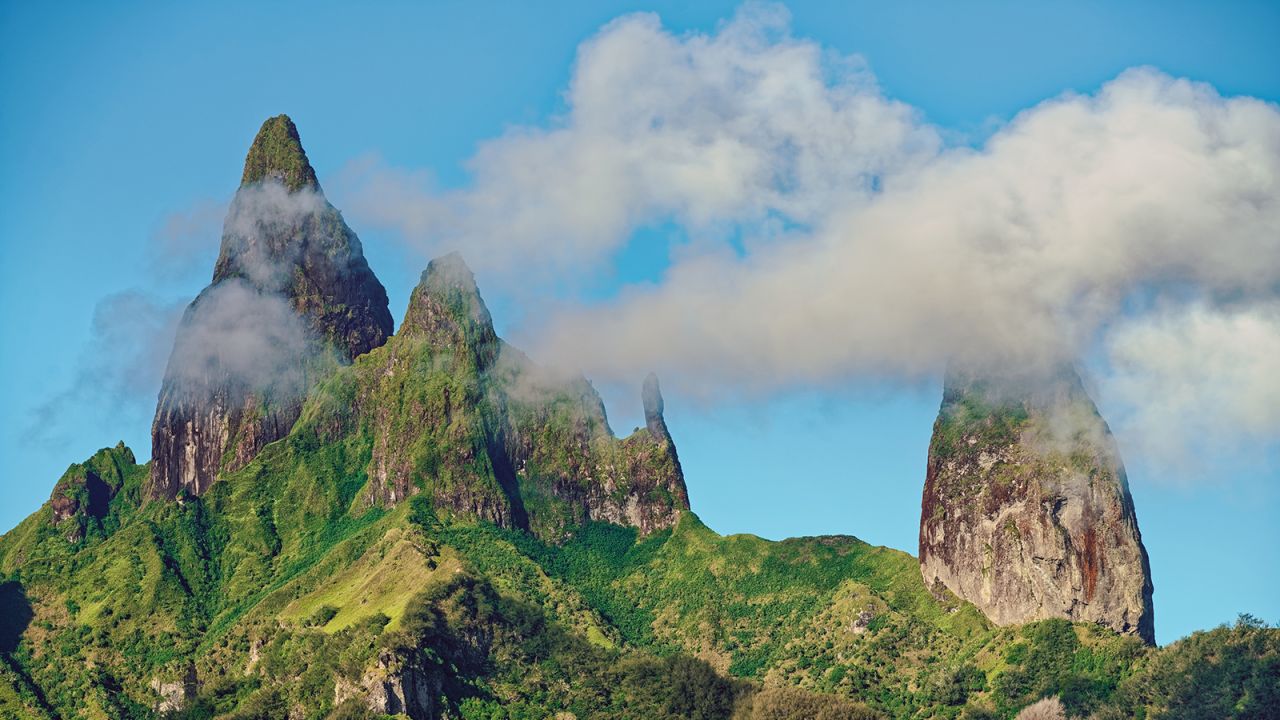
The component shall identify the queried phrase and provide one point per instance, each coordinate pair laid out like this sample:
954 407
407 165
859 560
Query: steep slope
291 297
1026 510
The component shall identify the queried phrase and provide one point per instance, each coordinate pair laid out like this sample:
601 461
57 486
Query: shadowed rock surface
1026 510
291 297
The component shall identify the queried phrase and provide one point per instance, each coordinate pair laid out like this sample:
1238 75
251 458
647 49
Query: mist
235 334
118 372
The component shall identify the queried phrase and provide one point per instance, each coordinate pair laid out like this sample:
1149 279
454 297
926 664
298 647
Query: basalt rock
1026 510
453 411
291 298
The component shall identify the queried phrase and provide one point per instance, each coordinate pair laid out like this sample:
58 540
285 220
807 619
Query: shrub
322 616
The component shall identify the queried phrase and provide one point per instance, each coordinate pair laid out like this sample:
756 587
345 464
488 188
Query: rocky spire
446 309
281 236
656 425
291 296
651 395
1026 510
277 154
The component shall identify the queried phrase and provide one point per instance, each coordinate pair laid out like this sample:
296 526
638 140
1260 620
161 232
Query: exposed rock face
453 410
291 297
1027 512
82 491
175 693
571 467
396 685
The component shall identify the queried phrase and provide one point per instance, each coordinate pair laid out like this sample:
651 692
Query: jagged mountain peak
447 310
291 292
449 272
277 154
651 396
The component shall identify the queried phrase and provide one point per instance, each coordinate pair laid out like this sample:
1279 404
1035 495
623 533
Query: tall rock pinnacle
277 154
446 310
1026 510
291 296
651 395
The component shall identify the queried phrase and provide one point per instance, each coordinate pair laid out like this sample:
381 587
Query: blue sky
116 118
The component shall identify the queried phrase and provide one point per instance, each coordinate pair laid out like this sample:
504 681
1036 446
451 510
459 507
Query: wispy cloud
723 133
118 372
236 336
240 333
185 242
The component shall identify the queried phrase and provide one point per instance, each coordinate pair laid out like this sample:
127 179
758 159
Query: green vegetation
283 593
277 152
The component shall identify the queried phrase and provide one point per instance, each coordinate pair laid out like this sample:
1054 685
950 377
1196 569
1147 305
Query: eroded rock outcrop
173 693
397 684
82 497
1026 510
291 298
452 410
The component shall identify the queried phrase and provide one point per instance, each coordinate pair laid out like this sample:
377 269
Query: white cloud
1015 254
869 248
716 131
234 334
1197 379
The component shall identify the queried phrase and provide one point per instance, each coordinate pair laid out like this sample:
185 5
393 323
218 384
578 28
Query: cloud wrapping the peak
241 331
235 333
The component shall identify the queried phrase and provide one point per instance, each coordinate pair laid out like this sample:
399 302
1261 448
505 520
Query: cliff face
452 410
291 297
1026 510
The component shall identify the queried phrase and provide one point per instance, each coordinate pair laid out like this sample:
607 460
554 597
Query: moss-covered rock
277 154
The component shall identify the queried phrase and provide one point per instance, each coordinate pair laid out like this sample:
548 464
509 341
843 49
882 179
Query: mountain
430 525
291 296
449 409
1026 510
